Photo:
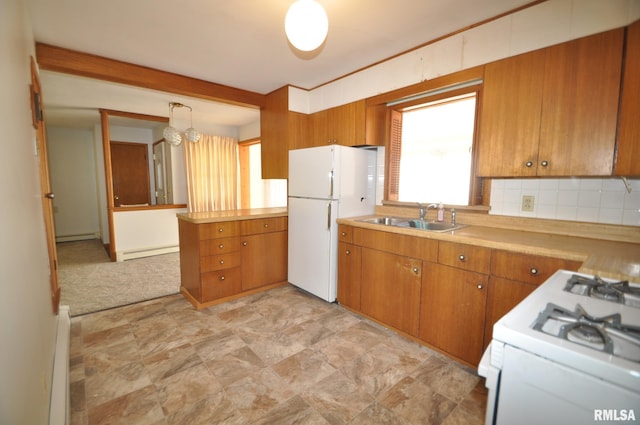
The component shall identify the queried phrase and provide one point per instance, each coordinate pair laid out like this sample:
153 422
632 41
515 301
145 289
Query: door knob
50 195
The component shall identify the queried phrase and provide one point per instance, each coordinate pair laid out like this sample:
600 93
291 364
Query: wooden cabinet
391 286
628 150
452 311
227 259
513 277
342 125
349 269
552 112
464 256
281 130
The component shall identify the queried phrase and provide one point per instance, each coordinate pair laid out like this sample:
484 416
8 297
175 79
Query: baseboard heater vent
59 410
146 252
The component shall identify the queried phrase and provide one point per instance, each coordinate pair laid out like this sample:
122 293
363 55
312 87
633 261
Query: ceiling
239 43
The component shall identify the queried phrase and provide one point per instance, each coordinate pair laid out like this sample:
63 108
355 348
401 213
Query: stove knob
533 271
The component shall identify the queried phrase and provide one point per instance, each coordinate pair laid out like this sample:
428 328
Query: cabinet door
349 275
627 163
264 259
390 290
502 296
580 106
510 119
319 131
347 123
452 311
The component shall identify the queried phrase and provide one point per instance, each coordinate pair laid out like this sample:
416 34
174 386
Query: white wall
72 167
27 324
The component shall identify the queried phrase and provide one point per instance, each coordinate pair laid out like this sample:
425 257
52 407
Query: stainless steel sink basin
434 226
387 221
431 226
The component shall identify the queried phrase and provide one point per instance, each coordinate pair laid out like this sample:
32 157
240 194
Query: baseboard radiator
146 252
78 237
59 410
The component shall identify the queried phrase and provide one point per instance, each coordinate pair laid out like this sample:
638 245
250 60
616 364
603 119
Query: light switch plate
528 203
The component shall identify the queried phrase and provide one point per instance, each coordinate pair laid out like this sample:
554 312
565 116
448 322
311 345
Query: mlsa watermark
622 415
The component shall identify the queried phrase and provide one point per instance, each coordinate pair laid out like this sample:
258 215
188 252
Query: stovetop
599 335
595 287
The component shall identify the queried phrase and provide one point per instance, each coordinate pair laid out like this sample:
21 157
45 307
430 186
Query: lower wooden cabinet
452 311
390 289
349 275
228 259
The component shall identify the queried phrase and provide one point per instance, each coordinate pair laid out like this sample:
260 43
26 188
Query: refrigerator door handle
329 216
331 179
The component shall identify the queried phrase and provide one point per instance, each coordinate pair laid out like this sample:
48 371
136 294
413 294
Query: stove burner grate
607 333
595 287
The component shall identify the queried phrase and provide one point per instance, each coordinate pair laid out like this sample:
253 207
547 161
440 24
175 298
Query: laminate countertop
616 260
232 215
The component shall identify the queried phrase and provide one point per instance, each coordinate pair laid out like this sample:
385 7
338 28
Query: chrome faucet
425 208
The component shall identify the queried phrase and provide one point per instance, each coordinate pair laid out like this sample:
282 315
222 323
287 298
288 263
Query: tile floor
280 357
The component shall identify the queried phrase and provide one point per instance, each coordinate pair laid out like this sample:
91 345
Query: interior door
130 173
45 185
160 174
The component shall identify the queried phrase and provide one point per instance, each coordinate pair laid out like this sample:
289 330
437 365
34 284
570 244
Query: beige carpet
90 282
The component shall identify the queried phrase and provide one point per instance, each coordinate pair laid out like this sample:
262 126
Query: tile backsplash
577 199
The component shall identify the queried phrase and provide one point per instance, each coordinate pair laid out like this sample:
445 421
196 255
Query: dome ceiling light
306 25
172 135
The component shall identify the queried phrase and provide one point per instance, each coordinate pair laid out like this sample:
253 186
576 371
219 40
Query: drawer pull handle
221 261
221 277
528 164
544 163
416 270
480 286
244 243
347 252
533 271
221 230
266 225
221 246
462 257
344 234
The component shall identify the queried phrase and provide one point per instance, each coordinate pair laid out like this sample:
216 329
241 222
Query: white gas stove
569 353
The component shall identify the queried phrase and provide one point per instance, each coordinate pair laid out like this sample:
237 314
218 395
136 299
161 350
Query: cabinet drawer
410 246
263 225
464 256
219 246
221 229
345 233
221 283
527 268
220 262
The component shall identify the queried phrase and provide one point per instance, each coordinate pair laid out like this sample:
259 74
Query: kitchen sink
431 226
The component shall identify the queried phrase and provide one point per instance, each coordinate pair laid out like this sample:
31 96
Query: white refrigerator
325 183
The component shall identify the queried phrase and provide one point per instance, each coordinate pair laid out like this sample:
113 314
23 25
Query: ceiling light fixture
174 136
306 25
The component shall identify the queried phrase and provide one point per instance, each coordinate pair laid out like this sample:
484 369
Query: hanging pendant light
306 25
172 135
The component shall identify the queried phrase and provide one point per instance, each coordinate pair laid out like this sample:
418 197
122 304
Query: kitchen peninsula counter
607 258
230 254
232 215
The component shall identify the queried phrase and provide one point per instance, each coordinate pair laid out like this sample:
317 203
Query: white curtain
212 173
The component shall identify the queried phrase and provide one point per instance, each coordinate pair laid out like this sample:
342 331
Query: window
257 192
431 149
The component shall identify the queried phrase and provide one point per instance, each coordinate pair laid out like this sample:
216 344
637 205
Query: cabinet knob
220 230
221 261
533 271
221 246
480 286
416 270
544 163
461 257
347 252
528 164
344 233
221 277
266 225
244 243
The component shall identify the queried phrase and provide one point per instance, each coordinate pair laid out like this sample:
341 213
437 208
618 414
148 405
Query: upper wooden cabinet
552 112
353 124
280 130
627 163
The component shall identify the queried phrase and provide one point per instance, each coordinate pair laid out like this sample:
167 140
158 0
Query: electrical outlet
527 203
